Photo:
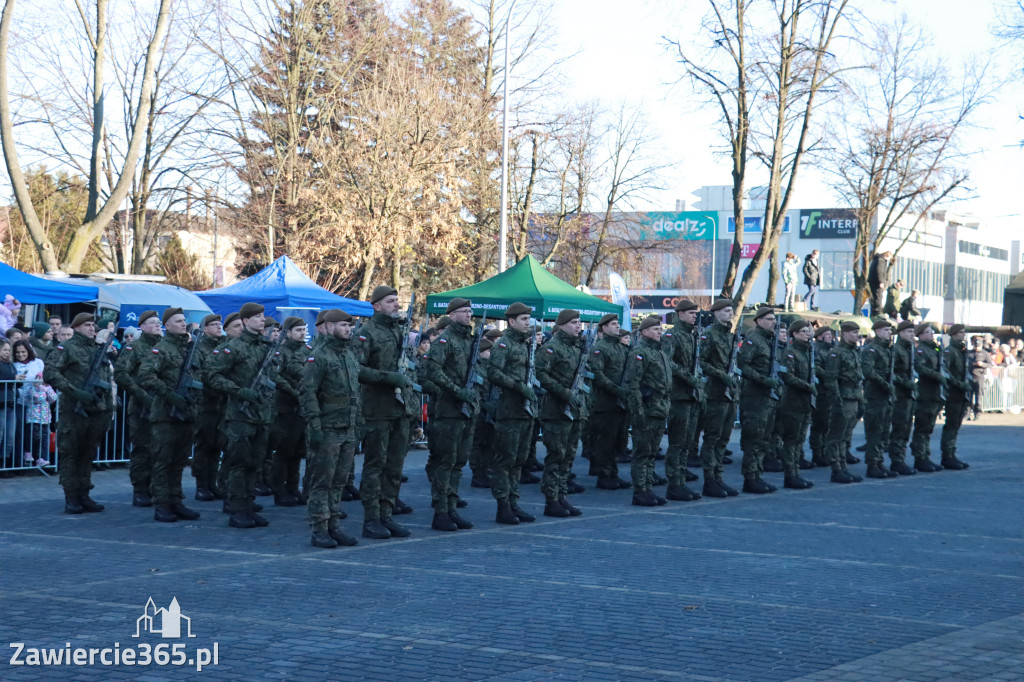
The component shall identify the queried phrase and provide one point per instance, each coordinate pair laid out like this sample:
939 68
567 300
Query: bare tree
98 214
895 153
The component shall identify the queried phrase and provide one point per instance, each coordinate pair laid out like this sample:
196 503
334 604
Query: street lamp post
503 234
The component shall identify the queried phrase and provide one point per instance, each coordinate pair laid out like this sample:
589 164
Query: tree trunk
367 279
95 162
773 276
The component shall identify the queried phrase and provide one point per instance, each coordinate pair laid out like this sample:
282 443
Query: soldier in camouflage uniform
557 361
610 402
687 395
716 350
126 372
288 435
773 456
248 413
514 412
879 395
387 403
958 396
329 402
649 388
820 415
905 380
928 360
794 412
78 436
483 430
758 400
448 367
232 330
206 456
172 416
846 382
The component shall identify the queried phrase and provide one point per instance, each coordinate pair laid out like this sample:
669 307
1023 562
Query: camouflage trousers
819 425
172 446
511 448
877 426
561 437
385 444
288 442
956 410
608 430
901 425
450 444
140 467
77 440
647 436
719 416
483 443
206 456
682 432
924 424
328 468
842 421
246 444
792 426
757 433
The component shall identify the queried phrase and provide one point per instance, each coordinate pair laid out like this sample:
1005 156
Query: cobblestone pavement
914 578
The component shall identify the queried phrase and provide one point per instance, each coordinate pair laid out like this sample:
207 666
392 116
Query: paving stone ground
916 578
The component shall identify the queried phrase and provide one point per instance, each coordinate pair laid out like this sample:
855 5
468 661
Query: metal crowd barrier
1002 389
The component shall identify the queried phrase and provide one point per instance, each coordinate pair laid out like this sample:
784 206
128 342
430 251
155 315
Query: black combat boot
527 478
644 498
805 464
851 458
462 522
730 491
263 490
505 514
164 514
922 464
285 500
901 469
396 529
795 482
712 488
202 495
689 476
89 505
375 530
818 459
842 476
680 493
605 483
442 521
555 509
258 520
754 484
573 511
71 504
773 466
183 512
461 503
951 462
523 516
658 479
862 448
401 508
321 538
351 492
574 488
878 471
300 497
338 535
242 519
142 500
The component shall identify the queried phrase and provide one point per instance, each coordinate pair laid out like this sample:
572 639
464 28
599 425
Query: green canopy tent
531 284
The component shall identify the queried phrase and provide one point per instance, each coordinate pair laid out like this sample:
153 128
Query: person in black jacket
878 281
8 394
812 278
908 309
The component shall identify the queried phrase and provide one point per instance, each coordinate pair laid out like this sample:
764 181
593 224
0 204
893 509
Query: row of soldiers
232 390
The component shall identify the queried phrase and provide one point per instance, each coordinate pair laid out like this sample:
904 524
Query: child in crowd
37 398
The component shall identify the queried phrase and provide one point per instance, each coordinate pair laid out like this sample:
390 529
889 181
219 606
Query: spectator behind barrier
8 423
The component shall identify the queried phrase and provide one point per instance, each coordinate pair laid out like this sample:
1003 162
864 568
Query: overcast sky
623 57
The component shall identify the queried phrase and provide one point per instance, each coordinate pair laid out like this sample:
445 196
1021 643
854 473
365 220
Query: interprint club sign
828 223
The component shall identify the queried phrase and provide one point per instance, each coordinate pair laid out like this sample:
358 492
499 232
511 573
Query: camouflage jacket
234 367
875 359
930 379
650 381
556 366
680 343
755 360
126 371
377 347
212 400
715 352
798 377
68 367
159 373
294 355
447 364
843 372
608 365
956 360
329 389
906 387
507 370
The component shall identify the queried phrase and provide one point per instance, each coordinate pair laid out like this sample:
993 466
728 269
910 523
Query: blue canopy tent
31 289
280 286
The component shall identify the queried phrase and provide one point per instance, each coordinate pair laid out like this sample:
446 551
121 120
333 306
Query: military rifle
531 371
261 383
733 370
943 373
695 367
93 384
813 378
625 377
579 383
892 372
185 380
405 363
776 366
472 376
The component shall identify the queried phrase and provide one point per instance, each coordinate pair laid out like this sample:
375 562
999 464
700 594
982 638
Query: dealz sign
828 223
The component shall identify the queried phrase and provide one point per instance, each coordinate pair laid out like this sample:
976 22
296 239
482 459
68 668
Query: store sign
828 223
754 224
747 250
685 225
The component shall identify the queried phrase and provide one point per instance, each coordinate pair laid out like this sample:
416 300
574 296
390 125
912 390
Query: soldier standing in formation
287 438
172 416
483 431
879 395
797 403
610 423
931 388
387 402
454 407
905 385
650 387
680 343
820 414
85 414
716 354
126 372
508 370
846 385
248 413
206 456
758 400
561 412
958 397
329 399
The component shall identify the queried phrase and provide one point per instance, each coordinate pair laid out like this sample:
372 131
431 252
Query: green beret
492 334
381 292
922 328
335 315
443 323
883 323
956 329
146 314
722 303
39 329
649 321
567 315
764 310
517 309
82 318
610 317
486 344
457 303
797 326
820 331
293 322
849 327
320 318
250 310
211 318
171 312
686 304
230 318
905 324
